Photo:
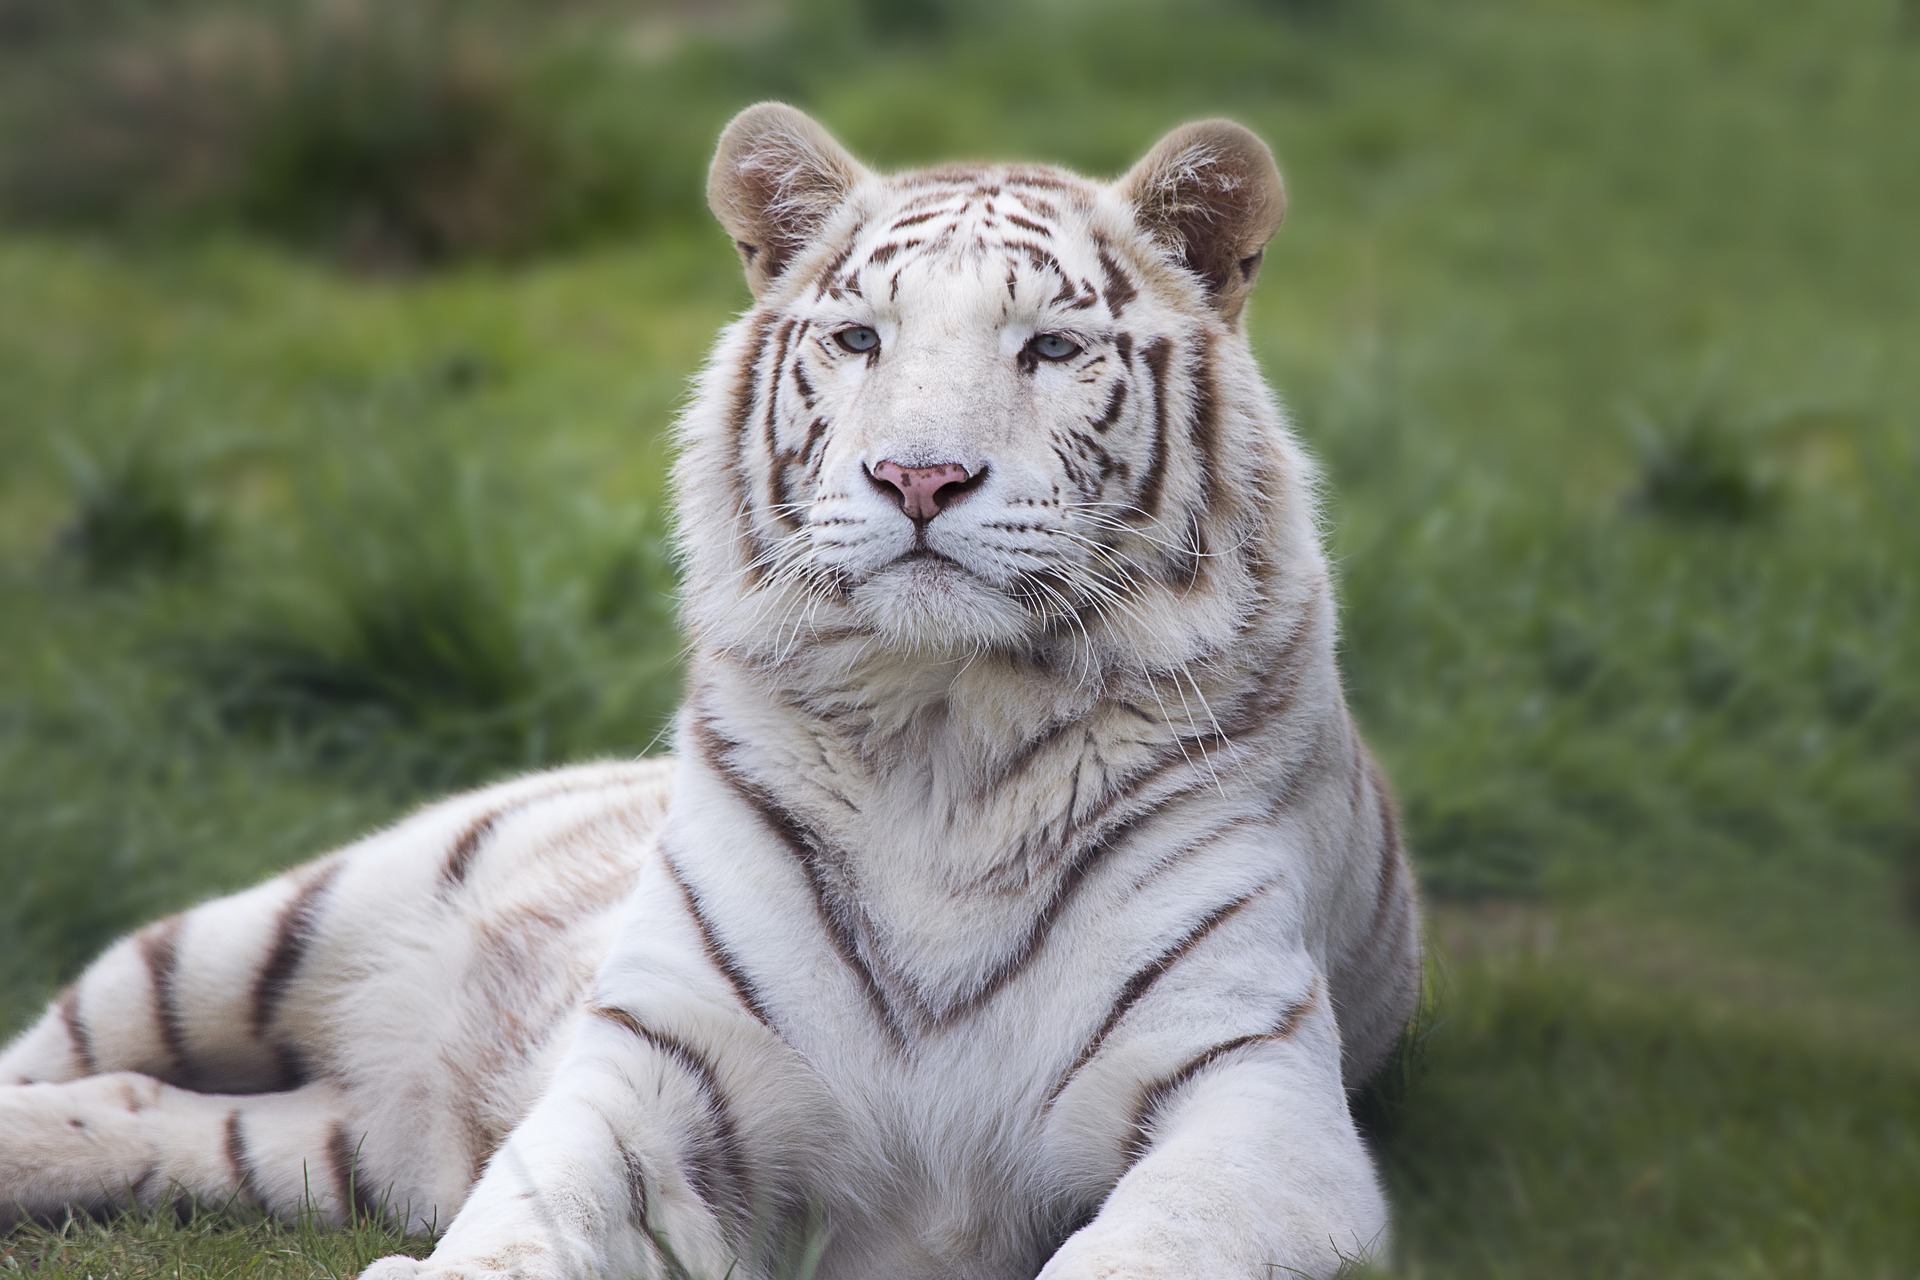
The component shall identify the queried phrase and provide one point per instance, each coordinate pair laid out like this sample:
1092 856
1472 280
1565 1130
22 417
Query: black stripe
1137 986
1115 812
299 921
810 852
460 856
1039 257
348 1177
915 219
1036 178
833 266
1039 204
1119 289
1390 846
1156 354
636 1173
1203 420
1116 400
1156 1095
77 1033
160 948
714 1169
453 872
716 950
1023 758
1029 947
776 477
744 395
239 1163
292 1064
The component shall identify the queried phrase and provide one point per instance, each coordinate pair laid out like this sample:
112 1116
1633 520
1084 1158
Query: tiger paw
404 1268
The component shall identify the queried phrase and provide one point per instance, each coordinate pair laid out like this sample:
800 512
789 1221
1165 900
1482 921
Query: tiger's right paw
405 1268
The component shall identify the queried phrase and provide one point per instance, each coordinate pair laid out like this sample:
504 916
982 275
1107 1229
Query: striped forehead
1023 232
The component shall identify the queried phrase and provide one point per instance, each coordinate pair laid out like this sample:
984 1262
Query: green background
338 343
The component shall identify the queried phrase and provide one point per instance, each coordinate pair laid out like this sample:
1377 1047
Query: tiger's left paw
404 1268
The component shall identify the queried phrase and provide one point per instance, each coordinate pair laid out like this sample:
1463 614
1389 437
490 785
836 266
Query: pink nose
924 491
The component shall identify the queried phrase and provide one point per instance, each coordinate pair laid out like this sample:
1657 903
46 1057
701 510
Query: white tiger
1022 898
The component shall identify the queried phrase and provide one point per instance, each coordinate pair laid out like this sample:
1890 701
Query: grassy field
1601 313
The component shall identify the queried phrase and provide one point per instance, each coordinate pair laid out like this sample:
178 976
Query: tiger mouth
924 554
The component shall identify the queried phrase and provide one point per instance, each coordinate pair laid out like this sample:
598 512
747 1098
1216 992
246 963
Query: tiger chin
1021 898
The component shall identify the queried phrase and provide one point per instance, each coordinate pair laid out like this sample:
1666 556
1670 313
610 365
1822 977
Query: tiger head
988 408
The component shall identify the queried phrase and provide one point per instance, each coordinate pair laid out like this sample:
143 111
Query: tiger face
980 408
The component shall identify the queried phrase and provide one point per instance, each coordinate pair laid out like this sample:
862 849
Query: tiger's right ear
776 179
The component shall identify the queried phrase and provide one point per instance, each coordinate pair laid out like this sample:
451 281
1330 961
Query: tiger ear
776 179
1210 194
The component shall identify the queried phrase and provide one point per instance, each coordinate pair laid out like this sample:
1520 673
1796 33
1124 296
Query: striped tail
190 1000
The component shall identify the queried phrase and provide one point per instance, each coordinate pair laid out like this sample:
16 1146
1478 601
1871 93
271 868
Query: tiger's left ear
1210 194
777 177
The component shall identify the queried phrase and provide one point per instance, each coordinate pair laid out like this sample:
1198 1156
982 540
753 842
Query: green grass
1598 313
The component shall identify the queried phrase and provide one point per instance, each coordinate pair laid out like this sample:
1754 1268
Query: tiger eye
1054 346
860 338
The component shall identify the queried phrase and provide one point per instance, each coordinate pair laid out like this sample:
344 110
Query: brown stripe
77 1033
809 851
1023 955
1138 985
1155 1095
1022 758
1038 228
293 935
160 948
343 1156
1156 354
1203 420
461 855
717 1168
915 219
239 1164
294 1071
816 431
1390 847
776 472
717 952
745 393
1119 289
636 1173
1116 400
1043 206
1035 178
1039 257
832 269
1117 815
453 872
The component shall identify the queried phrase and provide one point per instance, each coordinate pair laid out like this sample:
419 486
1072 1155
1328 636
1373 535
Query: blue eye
857 339
1054 346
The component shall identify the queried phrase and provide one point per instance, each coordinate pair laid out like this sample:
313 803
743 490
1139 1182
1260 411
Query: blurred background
338 341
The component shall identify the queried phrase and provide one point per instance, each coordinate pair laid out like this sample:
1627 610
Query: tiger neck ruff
1022 899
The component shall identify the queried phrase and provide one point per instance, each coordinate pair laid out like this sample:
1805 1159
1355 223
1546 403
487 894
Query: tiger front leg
630 1166
1249 1168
